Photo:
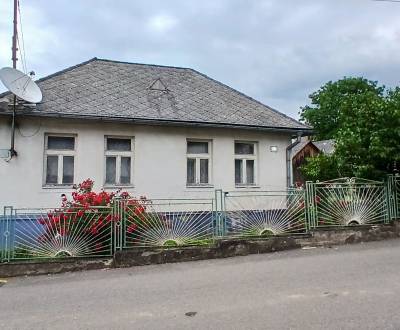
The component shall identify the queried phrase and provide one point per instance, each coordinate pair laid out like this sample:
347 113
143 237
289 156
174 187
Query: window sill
247 186
199 186
58 186
119 186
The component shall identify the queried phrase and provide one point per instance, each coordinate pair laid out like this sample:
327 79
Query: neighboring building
325 146
153 130
306 148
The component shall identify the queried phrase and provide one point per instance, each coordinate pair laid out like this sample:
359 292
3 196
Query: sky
276 51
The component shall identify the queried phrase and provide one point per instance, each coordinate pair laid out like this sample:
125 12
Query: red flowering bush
83 225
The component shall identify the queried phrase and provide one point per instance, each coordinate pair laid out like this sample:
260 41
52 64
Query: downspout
289 172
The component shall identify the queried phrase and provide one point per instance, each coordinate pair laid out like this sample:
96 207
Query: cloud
273 50
161 23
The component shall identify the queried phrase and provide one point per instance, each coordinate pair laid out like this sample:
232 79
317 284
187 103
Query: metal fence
393 185
56 233
264 213
166 222
99 231
347 202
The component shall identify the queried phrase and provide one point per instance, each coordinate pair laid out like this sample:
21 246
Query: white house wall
159 159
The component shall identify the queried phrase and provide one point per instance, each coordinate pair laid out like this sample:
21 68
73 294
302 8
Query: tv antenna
18 83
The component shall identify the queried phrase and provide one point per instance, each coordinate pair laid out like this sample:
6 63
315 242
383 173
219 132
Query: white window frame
244 159
197 158
60 153
118 155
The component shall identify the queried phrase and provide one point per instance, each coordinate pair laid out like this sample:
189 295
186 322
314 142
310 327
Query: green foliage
364 120
322 167
325 112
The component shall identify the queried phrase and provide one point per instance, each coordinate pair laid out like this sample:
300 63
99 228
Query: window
59 159
118 158
245 163
198 163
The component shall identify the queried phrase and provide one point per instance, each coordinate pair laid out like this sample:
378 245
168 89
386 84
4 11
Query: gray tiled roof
118 90
326 146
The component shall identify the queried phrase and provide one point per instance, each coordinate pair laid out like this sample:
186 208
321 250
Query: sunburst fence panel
349 201
50 233
264 214
167 222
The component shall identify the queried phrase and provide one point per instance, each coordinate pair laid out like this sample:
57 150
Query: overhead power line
387 0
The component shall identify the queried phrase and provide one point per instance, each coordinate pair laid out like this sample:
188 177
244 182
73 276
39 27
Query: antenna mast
14 60
15 33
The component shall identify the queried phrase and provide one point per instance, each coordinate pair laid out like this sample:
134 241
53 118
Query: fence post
220 225
310 205
119 224
396 193
389 198
392 197
5 239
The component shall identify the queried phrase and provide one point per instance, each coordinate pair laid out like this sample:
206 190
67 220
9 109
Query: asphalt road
349 287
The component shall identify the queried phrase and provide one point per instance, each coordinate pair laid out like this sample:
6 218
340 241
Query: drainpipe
289 171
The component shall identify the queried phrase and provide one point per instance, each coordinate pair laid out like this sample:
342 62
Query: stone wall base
42 267
223 248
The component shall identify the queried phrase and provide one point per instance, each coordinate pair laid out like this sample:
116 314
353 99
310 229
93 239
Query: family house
159 131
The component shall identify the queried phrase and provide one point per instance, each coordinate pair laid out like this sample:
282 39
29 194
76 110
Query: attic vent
158 85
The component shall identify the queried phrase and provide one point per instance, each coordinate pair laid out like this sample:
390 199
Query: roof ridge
144 64
55 74
250 98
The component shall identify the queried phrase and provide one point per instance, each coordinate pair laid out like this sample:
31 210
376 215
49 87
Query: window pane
60 142
125 170
238 171
244 148
203 170
52 169
118 144
111 166
191 171
249 171
68 170
197 147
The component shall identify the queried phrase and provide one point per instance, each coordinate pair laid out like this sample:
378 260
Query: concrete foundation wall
222 249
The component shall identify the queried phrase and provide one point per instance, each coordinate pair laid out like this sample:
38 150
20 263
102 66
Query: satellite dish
21 85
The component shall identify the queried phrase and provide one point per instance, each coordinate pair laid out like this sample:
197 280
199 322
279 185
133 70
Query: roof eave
162 122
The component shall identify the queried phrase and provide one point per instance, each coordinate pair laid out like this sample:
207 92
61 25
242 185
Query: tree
321 167
324 113
364 120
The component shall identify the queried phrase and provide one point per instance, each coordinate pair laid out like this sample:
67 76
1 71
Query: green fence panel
350 201
264 213
60 233
168 222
